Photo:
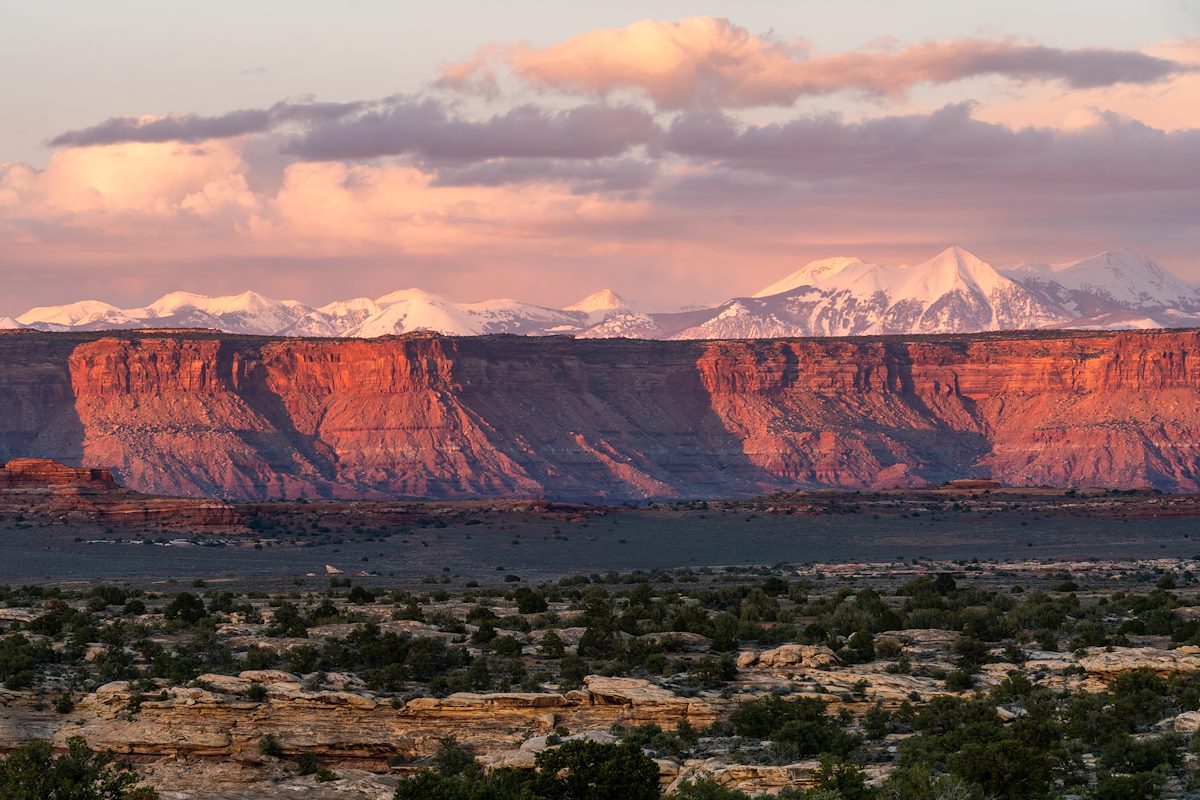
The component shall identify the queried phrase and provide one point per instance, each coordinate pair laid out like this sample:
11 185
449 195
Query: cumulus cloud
530 200
710 62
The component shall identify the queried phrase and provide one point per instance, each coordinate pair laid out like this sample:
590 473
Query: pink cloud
709 207
1172 104
707 62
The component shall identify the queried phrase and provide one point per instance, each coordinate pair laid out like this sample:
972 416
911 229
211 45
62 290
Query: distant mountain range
954 292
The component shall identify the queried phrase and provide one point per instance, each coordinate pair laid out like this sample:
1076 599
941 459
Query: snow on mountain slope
962 292
82 314
954 291
334 319
416 310
814 273
602 301
1107 282
248 312
7 323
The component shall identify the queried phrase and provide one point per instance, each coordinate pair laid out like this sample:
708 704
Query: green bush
269 746
579 770
32 772
796 728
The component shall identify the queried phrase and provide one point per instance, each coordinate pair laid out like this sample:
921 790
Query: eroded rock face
49 489
1106 663
210 414
218 718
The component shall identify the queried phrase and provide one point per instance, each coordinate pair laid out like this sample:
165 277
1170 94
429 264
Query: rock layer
219 721
46 489
205 414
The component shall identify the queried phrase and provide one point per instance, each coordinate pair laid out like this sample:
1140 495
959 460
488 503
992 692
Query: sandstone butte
196 413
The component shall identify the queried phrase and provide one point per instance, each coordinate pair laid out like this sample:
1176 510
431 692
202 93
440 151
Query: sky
676 152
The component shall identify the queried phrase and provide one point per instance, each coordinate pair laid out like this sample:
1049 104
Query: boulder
810 656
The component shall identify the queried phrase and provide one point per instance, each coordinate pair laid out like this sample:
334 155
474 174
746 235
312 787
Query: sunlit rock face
207 414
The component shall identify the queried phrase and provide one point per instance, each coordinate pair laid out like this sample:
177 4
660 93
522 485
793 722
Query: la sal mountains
954 292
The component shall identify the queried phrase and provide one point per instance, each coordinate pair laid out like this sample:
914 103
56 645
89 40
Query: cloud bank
672 191
706 62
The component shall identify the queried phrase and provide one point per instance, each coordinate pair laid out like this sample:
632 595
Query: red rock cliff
210 414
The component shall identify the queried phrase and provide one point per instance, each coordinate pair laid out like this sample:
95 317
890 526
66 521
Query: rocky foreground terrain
1077 677
223 416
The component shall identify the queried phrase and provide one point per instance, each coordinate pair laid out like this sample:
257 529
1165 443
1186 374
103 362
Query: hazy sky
678 152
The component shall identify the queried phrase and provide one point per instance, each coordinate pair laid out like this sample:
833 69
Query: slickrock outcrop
751 778
210 782
219 719
1107 663
206 414
790 655
755 779
1187 722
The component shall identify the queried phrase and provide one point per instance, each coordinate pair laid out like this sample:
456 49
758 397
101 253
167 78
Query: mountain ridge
953 292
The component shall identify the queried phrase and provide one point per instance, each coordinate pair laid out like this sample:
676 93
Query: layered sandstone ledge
208 736
47 490
204 414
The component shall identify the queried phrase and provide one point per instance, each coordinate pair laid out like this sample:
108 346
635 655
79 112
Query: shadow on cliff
40 418
837 415
242 370
606 419
954 443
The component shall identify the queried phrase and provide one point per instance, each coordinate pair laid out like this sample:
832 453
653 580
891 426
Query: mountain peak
178 299
1119 277
407 296
958 255
602 300
80 312
814 272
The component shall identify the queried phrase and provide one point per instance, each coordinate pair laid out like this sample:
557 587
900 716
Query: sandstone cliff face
219 721
50 490
210 414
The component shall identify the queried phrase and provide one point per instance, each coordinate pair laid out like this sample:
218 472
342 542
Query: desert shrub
796 728
33 772
19 658
578 770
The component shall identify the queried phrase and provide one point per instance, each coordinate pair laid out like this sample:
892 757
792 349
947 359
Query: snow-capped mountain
83 315
248 312
812 274
415 310
602 304
954 292
334 319
1115 289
